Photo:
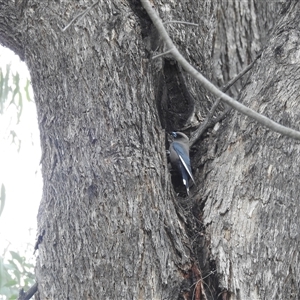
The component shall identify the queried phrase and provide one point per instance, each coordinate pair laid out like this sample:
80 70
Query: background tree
110 225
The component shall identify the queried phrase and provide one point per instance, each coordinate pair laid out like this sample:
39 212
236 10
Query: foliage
2 198
13 91
16 272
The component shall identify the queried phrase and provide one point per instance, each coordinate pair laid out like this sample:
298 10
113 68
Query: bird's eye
174 134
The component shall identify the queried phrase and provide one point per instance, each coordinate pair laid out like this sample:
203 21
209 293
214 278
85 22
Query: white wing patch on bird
187 186
186 167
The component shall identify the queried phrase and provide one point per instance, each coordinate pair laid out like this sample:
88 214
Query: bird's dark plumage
179 157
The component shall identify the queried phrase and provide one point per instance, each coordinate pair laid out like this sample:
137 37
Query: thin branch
201 281
208 122
241 74
209 86
205 124
161 54
221 116
181 22
80 16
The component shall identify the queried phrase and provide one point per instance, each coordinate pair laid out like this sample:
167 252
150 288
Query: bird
180 158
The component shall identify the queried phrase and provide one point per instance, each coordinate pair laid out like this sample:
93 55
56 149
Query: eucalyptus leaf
28 84
11 282
16 256
2 198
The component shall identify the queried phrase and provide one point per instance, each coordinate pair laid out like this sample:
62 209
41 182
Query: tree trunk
110 225
107 215
242 30
250 189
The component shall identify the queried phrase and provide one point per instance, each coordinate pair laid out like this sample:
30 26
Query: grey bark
242 30
10 31
107 211
110 225
251 189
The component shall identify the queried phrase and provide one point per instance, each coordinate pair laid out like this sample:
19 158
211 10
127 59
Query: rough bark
107 215
242 30
10 27
251 188
110 225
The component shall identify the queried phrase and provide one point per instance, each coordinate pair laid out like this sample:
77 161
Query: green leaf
13 274
1 92
2 198
4 87
20 107
13 267
11 282
5 291
17 256
15 139
3 274
28 84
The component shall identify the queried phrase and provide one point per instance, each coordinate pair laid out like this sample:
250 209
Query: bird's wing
184 174
186 167
184 158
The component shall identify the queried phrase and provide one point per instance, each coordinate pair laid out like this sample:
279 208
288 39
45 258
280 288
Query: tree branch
209 86
80 16
208 122
29 294
181 22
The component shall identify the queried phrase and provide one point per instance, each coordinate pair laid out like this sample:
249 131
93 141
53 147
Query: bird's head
179 135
